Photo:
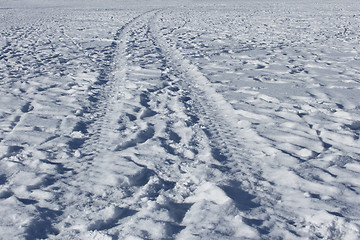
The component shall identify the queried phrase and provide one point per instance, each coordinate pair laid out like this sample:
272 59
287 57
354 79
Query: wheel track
224 134
71 171
108 93
220 127
188 168
157 180
102 142
97 125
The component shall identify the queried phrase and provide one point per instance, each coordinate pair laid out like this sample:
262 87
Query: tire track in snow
143 122
124 182
62 175
241 179
51 159
107 92
117 180
153 154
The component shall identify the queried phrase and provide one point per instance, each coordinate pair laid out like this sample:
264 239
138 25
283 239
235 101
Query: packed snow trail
168 123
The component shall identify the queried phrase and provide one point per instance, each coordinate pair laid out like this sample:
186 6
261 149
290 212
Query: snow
179 120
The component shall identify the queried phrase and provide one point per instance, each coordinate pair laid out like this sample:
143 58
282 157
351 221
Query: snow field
200 122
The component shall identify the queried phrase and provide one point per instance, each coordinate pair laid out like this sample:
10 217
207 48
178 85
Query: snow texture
179 120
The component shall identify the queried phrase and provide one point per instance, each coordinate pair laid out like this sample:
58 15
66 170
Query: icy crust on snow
208 121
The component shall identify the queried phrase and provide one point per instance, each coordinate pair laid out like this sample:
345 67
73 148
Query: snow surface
190 120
